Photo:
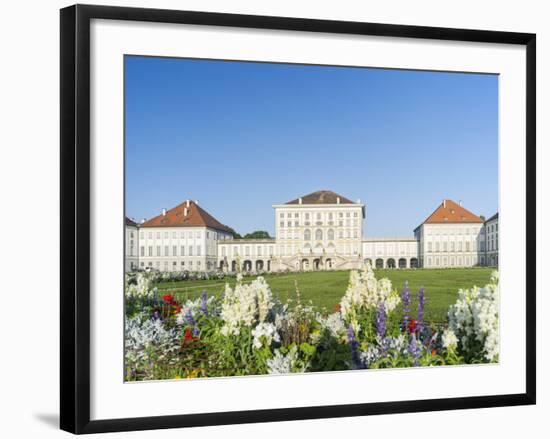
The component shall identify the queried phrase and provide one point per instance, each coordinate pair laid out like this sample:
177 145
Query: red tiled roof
321 197
451 212
196 217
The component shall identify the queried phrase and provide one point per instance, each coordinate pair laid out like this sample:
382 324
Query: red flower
188 335
168 298
412 326
337 307
434 352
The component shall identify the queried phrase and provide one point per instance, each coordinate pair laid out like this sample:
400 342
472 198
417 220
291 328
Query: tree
234 233
257 234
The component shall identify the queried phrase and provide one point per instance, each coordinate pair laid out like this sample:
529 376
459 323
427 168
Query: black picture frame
75 217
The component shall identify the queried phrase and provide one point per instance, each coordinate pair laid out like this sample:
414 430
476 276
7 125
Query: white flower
369 355
245 305
333 323
399 343
281 363
449 339
265 332
474 319
139 285
144 333
365 291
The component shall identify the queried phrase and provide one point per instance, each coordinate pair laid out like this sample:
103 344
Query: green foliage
181 336
257 234
325 288
331 354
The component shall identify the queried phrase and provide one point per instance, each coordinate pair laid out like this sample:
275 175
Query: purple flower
406 298
189 317
204 303
414 349
420 316
196 331
381 321
156 314
354 345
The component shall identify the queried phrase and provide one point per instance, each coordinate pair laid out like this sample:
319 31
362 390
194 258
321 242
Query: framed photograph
274 218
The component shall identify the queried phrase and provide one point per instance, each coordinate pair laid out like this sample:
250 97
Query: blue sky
241 136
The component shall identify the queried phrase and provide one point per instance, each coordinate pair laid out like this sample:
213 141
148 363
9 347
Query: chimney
460 203
197 202
164 212
444 203
187 203
337 200
143 220
185 211
300 200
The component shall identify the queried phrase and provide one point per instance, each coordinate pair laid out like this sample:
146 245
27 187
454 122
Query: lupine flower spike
420 316
406 299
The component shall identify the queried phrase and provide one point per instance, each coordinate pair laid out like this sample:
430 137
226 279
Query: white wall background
29 249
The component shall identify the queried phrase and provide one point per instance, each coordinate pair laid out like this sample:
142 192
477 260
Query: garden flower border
75 217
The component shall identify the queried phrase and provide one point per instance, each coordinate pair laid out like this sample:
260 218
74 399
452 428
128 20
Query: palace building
451 237
184 238
131 261
319 231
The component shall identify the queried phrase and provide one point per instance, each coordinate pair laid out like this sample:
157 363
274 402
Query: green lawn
326 288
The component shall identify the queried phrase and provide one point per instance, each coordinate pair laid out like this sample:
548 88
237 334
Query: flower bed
249 331
178 276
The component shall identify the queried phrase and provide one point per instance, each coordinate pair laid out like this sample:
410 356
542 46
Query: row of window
177 265
284 250
182 234
452 261
247 250
341 223
447 231
319 234
389 251
318 215
451 247
174 252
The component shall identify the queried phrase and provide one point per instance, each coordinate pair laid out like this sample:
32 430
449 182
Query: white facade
491 239
321 231
248 254
131 243
318 236
451 245
179 248
391 252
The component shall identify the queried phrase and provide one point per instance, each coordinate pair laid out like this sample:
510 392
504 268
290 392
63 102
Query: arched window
319 235
307 235
331 235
